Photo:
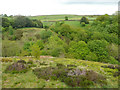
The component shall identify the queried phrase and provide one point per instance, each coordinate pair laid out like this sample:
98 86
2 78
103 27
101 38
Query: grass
74 24
30 80
59 17
30 29
49 20
30 32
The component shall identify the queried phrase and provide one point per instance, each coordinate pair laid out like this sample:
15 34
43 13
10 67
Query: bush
78 50
37 36
80 78
18 67
97 36
37 23
99 47
85 20
46 27
66 18
112 60
5 22
55 46
83 24
35 51
6 60
82 35
91 56
30 62
113 50
18 34
10 30
65 30
45 34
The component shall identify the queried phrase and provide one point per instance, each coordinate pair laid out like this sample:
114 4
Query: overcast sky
48 7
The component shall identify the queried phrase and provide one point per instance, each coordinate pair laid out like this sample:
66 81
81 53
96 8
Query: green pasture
59 17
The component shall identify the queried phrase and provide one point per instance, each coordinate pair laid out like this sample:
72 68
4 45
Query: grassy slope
29 80
30 32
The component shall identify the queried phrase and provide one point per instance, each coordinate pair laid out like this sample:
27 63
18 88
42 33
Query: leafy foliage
85 20
45 34
35 51
99 48
66 18
83 24
97 41
78 49
55 46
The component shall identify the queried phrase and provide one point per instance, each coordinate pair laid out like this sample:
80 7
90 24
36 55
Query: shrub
30 62
37 23
66 18
37 36
82 35
5 22
14 38
40 44
46 27
18 67
83 24
78 49
99 48
35 51
80 78
55 46
27 46
45 34
97 36
10 30
91 56
18 34
21 61
113 50
65 30
6 60
112 60
85 20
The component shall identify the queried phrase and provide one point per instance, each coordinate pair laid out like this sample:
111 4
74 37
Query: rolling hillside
31 80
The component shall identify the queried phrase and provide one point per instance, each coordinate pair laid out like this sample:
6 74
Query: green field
75 24
30 80
59 17
49 20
